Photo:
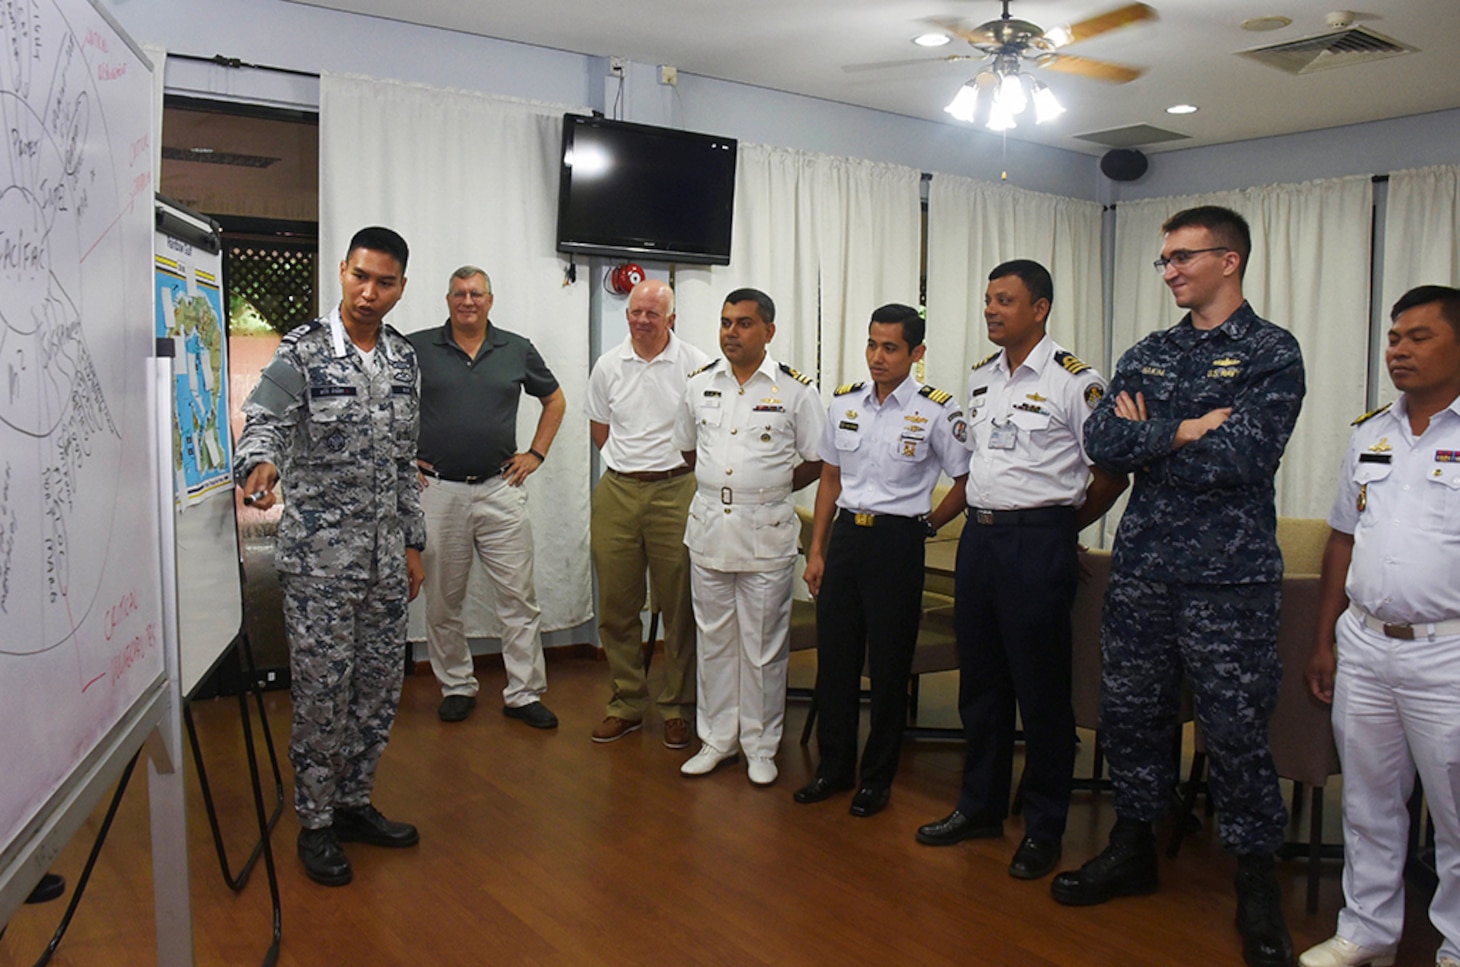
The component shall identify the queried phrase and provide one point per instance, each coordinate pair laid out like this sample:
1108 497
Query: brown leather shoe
614 728
676 734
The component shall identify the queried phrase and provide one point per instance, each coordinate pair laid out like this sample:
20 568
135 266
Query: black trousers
870 604
1015 585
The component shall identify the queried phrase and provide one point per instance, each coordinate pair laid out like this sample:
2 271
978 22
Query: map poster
190 312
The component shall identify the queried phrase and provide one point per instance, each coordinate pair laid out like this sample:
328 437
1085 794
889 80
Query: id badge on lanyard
1003 436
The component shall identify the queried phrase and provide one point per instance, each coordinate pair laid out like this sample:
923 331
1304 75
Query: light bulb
1010 97
1046 106
964 103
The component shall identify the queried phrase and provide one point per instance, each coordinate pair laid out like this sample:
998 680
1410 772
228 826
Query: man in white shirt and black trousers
885 444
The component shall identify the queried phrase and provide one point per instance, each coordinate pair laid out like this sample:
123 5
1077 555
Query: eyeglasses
1182 257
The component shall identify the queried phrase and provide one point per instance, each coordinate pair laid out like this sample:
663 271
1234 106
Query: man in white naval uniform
1390 602
745 421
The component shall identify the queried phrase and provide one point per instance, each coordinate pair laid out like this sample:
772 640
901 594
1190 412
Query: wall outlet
616 65
668 76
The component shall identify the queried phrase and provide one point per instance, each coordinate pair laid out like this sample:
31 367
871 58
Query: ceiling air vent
1339 48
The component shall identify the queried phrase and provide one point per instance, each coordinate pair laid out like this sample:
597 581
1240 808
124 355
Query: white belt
746 495
1404 630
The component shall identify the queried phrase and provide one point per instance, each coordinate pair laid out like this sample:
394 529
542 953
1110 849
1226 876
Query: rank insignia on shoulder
1371 414
846 388
1094 393
1071 362
707 366
986 360
936 395
798 377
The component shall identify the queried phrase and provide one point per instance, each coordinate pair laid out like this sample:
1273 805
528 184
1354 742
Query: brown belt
650 476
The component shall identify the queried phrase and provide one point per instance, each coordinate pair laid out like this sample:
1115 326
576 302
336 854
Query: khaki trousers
636 527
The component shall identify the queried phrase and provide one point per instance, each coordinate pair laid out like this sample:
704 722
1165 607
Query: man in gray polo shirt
472 376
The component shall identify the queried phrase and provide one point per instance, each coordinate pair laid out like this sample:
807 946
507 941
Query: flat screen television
634 190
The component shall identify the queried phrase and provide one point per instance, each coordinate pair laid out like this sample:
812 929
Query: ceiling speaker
1123 164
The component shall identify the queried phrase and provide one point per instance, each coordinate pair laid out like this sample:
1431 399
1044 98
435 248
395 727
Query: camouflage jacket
344 441
1203 514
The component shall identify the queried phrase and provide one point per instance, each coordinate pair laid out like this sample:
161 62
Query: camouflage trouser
1225 639
346 665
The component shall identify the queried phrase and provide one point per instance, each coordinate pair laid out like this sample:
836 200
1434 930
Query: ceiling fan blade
1100 70
878 65
981 34
1100 24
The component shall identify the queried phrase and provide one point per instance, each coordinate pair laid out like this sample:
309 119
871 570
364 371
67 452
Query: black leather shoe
49 888
364 824
535 715
870 800
1126 867
1034 858
819 790
455 708
324 861
1265 938
955 828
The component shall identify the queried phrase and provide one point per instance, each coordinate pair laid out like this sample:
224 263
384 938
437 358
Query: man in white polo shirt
639 511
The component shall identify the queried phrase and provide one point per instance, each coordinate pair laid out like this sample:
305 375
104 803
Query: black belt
873 520
649 476
474 478
1021 518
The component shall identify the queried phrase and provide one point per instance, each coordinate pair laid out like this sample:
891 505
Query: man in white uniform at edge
745 421
1389 602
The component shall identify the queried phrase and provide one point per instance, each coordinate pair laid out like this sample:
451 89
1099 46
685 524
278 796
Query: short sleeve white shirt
638 399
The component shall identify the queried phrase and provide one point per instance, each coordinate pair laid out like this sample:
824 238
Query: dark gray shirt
469 406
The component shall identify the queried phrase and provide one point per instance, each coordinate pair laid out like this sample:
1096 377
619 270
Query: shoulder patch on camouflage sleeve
1071 362
798 377
936 395
987 359
846 388
1371 414
300 331
707 366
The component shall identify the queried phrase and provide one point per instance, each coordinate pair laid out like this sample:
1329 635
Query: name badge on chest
1003 436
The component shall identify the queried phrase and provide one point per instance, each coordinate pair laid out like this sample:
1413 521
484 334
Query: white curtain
972 227
1421 232
469 179
1309 273
829 239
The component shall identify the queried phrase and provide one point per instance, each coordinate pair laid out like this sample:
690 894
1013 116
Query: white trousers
488 521
744 620
1396 708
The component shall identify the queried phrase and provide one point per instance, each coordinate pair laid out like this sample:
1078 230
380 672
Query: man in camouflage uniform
1200 413
336 413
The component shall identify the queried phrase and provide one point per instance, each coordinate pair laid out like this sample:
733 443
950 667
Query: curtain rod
238 63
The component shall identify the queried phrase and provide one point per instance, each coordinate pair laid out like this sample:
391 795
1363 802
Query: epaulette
302 330
1071 362
798 377
1371 414
986 360
846 388
707 366
936 395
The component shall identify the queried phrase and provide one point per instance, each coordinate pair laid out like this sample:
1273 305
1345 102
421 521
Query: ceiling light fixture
1182 109
932 40
1012 90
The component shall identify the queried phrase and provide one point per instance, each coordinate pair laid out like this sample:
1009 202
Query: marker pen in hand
250 499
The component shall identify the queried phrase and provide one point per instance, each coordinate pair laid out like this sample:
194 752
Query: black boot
1265 939
1127 867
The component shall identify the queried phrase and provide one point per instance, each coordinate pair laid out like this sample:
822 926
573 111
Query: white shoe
707 760
1447 962
1338 952
761 769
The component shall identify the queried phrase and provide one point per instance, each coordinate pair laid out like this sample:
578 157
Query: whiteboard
81 633
191 316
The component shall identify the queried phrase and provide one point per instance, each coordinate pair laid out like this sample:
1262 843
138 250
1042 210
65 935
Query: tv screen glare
633 190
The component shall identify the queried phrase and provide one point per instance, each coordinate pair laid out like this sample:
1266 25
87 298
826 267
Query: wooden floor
544 848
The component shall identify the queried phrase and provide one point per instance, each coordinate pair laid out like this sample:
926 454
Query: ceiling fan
1007 44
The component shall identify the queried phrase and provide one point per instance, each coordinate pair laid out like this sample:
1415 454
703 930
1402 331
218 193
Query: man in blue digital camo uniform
1200 413
335 415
